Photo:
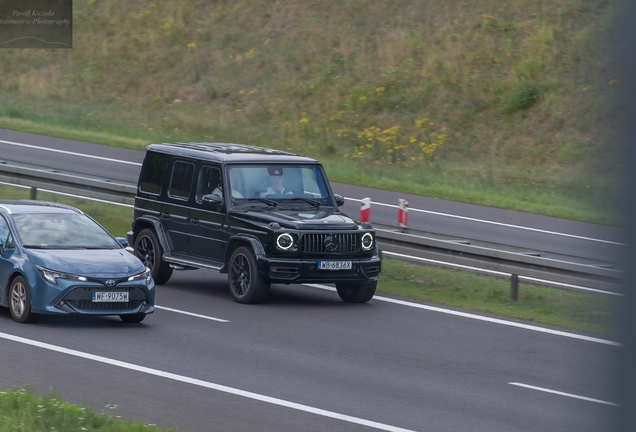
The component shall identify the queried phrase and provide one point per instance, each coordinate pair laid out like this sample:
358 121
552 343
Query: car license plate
334 265
106 296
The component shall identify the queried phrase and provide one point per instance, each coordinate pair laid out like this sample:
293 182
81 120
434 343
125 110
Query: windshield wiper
308 200
269 202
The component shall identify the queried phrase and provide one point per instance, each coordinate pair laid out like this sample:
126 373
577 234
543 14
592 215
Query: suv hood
331 219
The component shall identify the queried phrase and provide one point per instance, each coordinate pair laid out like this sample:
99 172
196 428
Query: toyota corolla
55 259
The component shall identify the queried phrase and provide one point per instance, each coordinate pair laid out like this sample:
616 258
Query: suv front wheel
149 251
246 284
357 292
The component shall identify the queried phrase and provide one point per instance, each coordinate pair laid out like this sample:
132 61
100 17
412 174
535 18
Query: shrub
523 97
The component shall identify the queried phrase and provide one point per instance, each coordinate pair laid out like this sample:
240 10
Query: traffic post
365 210
403 213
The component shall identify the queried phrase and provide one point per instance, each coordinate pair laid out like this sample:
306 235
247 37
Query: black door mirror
339 199
211 199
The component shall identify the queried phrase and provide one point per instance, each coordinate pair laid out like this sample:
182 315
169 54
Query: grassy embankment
22 410
500 103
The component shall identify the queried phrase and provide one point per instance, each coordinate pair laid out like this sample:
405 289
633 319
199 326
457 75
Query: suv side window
181 182
153 174
209 182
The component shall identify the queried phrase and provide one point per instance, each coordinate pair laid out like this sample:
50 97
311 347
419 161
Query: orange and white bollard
365 210
403 213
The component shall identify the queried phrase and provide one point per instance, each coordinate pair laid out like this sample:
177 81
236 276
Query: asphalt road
395 365
535 232
307 361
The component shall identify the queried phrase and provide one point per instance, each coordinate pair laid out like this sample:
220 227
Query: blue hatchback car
55 259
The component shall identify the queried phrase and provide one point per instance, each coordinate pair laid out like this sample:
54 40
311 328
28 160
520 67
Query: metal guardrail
38 177
462 252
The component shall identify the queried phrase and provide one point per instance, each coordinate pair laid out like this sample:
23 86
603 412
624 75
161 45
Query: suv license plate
105 296
334 265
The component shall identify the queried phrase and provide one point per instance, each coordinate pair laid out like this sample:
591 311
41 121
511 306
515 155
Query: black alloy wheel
246 284
149 251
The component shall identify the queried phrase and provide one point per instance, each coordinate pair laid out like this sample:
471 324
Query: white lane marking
570 395
69 153
496 223
483 318
205 384
498 273
352 199
191 314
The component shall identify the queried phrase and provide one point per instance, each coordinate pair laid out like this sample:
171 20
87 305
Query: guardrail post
514 287
33 193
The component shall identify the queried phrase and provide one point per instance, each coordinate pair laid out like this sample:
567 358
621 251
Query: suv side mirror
339 199
1 247
211 199
122 241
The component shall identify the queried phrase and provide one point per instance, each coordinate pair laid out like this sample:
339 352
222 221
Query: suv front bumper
306 270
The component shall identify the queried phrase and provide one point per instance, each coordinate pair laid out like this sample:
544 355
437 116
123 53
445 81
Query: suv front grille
329 243
82 298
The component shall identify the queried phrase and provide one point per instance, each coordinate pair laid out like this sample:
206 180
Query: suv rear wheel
246 284
357 292
149 251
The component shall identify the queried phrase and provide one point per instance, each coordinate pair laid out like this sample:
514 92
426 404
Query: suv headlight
52 275
367 241
284 241
145 276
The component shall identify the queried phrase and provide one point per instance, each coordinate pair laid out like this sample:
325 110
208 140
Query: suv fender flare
239 240
156 224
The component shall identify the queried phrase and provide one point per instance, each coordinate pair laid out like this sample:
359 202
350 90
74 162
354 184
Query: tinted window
209 182
181 183
153 174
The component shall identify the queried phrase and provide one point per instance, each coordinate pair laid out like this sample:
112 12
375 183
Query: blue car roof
28 206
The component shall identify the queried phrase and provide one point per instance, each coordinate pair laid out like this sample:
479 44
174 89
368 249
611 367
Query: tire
358 292
149 251
20 301
246 284
133 318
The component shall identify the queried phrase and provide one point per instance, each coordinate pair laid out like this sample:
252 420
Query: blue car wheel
20 301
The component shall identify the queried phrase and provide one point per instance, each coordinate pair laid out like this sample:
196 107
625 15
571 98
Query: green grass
507 104
569 309
21 410
592 313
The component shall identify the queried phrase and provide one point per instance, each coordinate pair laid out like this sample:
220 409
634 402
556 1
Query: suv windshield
279 183
61 231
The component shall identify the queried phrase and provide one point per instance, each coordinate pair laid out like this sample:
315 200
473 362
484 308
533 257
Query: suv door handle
194 221
165 215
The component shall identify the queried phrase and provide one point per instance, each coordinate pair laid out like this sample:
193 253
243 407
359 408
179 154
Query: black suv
257 214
